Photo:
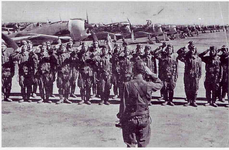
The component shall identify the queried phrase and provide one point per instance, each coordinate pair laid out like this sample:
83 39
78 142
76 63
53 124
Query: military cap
139 46
147 47
224 47
190 42
169 45
48 42
94 41
29 41
116 45
124 43
212 47
128 75
44 43
23 42
191 46
163 43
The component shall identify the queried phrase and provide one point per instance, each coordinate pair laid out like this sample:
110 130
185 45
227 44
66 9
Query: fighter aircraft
149 30
74 28
14 26
170 30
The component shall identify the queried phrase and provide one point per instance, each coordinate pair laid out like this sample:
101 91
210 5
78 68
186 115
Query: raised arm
155 84
201 55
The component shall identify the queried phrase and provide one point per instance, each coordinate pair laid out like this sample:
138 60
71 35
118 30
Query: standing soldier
160 72
224 84
105 72
49 46
116 71
137 56
150 60
85 80
33 61
53 64
192 73
63 75
44 75
7 73
25 78
134 112
214 74
126 67
74 66
169 68
93 53
24 73
30 46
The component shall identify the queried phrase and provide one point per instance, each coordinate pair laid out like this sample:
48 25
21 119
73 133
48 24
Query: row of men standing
97 68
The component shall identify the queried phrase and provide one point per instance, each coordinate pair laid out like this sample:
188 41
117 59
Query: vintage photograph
115 74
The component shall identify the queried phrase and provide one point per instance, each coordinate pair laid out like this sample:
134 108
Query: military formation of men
96 68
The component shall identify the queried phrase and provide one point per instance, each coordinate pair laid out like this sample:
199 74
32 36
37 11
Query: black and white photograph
115 74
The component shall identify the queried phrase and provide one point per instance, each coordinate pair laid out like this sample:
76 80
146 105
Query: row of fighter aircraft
80 29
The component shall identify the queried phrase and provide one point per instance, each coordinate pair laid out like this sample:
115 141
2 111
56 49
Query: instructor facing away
134 111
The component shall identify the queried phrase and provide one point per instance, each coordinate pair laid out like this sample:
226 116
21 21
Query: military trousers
212 91
116 82
105 85
6 86
73 79
168 89
45 84
85 83
191 86
34 83
26 86
63 85
224 89
136 131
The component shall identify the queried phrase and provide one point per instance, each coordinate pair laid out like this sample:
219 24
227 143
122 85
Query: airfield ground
50 125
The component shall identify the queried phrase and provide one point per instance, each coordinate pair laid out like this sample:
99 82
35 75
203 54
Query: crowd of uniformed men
98 67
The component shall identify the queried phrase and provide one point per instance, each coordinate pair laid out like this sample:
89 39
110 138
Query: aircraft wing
39 38
103 35
145 34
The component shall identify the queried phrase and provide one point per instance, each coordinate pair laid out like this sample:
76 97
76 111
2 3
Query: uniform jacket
193 64
150 62
224 63
169 67
214 70
136 96
7 65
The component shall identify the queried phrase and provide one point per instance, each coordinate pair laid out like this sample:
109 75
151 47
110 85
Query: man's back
134 112
137 95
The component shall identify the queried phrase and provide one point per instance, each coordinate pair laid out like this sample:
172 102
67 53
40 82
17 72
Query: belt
146 112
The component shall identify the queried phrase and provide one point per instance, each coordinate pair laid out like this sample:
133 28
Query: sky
108 12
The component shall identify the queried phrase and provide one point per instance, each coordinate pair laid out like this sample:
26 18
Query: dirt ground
50 125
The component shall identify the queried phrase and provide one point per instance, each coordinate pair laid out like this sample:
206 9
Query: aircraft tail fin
9 42
95 38
131 30
87 17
